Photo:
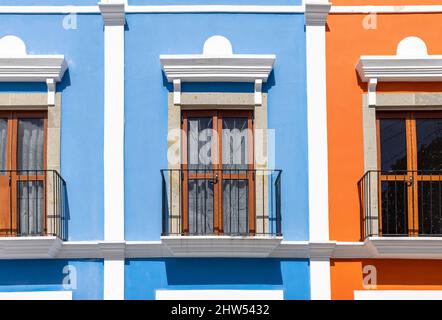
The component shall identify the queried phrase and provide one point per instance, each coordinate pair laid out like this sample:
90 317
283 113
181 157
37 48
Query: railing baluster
228 224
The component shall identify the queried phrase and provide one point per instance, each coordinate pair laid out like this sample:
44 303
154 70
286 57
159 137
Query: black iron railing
32 203
401 203
232 202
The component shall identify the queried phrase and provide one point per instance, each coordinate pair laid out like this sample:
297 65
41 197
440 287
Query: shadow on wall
228 87
223 272
30 87
34 272
416 273
65 81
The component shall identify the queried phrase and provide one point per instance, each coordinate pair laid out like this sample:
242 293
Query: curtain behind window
3 144
30 150
30 144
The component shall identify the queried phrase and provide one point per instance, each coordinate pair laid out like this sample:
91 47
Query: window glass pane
3 144
200 206
429 144
199 143
235 207
393 143
30 144
394 208
235 154
30 207
430 207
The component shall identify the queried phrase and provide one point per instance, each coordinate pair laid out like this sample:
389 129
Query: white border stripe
398 294
219 295
49 9
215 9
36 295
386 9
223 9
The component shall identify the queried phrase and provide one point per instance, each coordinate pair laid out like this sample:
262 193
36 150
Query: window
22 173
410 183
218 179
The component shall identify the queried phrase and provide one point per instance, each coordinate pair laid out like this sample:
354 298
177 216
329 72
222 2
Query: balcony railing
32 203
229 202
401 204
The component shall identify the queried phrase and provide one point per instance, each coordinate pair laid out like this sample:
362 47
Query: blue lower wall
144 276
47 275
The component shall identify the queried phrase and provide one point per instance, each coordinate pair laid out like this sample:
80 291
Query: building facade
384 134
192 150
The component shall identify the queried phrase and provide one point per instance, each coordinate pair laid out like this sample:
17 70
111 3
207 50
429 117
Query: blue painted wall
47 275
143 277
82 108
151 2
148 36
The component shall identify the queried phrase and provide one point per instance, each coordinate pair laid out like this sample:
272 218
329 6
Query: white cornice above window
18 66
32 68
217 64
410 64
400 69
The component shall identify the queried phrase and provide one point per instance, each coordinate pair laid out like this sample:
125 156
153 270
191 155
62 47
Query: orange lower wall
397 3
346 41
347 276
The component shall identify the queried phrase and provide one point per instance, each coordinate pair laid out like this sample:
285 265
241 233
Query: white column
320 279
113 287
315 18
113 13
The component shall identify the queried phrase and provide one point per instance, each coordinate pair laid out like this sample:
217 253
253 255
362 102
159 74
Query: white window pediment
217 63
16 65
410 64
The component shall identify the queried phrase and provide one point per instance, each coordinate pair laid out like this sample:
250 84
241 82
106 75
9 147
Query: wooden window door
218 176
22 173
410 183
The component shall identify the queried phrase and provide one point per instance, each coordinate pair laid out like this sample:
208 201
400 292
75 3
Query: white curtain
30 205
200 143
30 192
30 144
3 144
200 206
235 207
235 143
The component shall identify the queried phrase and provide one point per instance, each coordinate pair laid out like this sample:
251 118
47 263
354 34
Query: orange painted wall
347 40
346 276
384 2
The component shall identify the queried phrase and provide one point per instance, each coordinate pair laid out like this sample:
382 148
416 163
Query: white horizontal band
386 9
49 9
224 9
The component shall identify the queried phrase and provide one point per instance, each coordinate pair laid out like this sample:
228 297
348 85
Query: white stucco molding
316 12
208 246
217 63
16 65
29 247
113 12
223 247
411 63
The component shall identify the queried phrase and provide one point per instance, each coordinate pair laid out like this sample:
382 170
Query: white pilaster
113 13
320 279
113 288
315 18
